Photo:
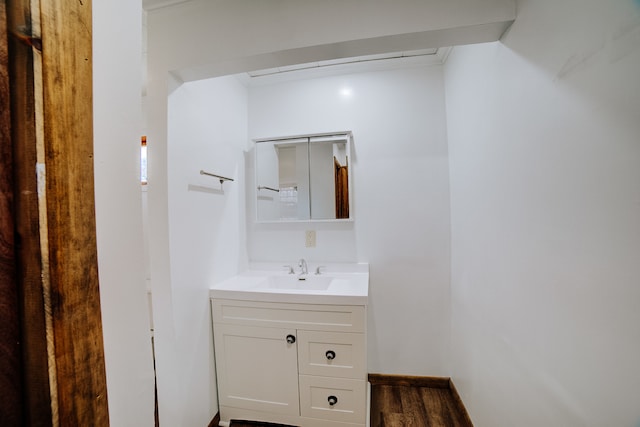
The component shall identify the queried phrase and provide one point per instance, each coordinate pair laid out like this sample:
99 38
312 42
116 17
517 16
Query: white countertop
349 285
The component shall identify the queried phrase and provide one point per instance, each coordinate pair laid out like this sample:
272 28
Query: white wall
117 119
545 197
207 131
401 202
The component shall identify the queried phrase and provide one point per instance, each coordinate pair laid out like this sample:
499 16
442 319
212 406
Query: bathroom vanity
292 349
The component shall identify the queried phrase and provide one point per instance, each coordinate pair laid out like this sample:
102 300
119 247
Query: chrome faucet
303 267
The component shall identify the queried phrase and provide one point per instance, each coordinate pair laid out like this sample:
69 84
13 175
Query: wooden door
342 189
11 403
63 379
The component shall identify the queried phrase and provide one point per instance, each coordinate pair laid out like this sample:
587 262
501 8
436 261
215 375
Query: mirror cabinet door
329 178
302 179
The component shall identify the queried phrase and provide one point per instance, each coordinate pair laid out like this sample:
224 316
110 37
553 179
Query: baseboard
459 404
410 381
215 421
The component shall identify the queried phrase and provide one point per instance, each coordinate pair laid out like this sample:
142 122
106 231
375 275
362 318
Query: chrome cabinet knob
291 339
330 354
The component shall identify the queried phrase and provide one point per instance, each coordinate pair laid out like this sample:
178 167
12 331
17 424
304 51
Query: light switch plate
310 239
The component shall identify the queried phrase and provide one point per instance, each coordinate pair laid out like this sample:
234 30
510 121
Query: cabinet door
257 368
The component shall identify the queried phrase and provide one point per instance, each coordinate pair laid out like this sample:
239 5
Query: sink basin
316 283
342 284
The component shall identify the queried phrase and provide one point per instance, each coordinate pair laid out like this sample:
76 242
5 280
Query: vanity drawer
331 354
348 395
339 318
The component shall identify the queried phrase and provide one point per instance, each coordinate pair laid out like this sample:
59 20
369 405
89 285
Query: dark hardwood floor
412 406
407 404
255 424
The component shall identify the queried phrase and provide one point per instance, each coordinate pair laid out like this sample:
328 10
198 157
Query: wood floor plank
413 405
391 396
439 407
434 406
460 418
401 405
399 420
384 399
458 404
255 424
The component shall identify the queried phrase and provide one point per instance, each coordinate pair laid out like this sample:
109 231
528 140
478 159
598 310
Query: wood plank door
53 214
11 405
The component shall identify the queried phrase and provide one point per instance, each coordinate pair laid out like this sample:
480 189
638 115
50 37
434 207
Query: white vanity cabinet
291 363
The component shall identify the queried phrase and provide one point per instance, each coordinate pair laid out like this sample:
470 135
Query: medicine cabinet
303 178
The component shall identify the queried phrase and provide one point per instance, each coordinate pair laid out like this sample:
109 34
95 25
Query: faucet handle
318 269
290 268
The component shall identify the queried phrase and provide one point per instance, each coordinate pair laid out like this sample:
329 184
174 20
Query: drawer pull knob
332 400
330 354
291 339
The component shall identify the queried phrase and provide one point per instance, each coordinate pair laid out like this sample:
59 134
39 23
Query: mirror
304 178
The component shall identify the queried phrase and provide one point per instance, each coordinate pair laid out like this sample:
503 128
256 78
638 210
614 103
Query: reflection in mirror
303 178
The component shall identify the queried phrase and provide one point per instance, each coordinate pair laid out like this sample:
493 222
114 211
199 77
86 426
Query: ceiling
157 4
341 61
384 60
344 66
380 51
